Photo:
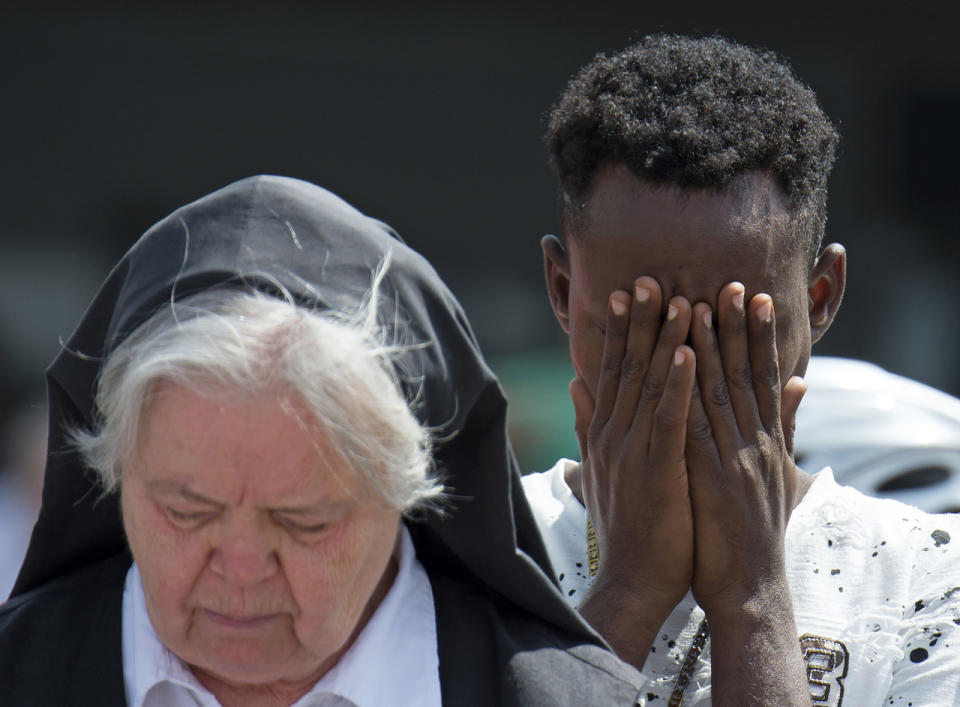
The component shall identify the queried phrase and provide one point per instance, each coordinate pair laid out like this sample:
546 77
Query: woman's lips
239 622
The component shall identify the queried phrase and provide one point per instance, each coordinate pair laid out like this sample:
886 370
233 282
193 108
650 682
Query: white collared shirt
393 660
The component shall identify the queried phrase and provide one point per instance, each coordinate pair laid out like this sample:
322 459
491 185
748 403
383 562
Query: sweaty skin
678 477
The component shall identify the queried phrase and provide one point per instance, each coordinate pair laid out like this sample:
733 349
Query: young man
691 280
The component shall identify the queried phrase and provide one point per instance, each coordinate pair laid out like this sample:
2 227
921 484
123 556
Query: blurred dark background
429 116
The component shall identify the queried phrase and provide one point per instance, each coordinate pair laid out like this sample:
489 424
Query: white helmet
881 433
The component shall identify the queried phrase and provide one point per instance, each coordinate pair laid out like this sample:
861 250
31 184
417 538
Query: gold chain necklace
699 640
593 550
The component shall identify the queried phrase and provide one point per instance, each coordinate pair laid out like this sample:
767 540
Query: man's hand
742 478
634 478
743 485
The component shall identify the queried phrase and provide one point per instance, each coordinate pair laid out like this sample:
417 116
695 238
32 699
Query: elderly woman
241 506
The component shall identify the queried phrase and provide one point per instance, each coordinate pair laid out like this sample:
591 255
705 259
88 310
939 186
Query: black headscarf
275 233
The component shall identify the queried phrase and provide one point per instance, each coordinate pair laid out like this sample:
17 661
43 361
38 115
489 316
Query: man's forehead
752 204
692 241
697 281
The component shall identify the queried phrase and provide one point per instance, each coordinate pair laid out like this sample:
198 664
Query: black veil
283 235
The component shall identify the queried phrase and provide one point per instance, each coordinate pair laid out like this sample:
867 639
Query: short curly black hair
696 113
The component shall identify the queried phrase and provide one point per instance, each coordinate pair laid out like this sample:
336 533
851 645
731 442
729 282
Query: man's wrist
768 601
628 617
758 630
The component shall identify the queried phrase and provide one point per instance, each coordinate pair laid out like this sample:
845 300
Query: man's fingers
670 419
701 449
793 392
763 364
641 341
673 333
735 353
614 345
715 394
705 472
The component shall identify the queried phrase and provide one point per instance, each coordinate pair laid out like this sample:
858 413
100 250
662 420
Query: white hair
231 340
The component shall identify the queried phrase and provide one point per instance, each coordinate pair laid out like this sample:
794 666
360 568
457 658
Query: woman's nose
244 553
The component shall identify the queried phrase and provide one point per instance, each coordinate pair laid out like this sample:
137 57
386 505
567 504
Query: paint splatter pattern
875 587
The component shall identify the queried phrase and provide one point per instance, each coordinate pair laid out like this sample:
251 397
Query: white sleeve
563 525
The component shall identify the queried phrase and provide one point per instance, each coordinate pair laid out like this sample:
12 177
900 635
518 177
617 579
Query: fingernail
678 357
618 307
738 297
765 312
642 294
708 319
672 312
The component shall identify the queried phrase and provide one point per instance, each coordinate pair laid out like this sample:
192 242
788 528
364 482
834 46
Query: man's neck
573 475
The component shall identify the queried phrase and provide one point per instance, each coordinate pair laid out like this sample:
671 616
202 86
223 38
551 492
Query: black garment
505 634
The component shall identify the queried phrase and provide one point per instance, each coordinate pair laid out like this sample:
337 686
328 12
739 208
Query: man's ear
825 289
556 268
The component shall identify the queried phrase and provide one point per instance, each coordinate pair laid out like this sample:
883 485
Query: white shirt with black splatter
875 587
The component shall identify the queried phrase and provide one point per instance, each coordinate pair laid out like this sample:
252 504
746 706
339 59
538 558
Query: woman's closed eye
302 528
187 518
